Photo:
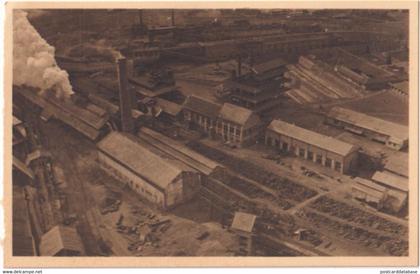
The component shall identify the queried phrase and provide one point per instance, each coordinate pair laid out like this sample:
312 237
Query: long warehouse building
141 169
310 145
391 134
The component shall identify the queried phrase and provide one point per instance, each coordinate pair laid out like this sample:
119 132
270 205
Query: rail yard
211 133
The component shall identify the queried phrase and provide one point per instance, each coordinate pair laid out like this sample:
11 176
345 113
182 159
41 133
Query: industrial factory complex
211 133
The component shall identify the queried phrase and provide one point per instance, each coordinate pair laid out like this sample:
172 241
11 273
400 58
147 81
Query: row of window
306 154
133 185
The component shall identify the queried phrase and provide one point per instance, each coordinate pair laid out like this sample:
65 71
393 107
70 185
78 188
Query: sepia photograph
212 132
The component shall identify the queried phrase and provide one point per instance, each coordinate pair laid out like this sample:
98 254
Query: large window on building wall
285 146
328 162
337 166
310 155
319 158
225 128
302 152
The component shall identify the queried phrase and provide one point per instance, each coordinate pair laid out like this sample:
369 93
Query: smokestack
141 17
239 66
125 97
173 17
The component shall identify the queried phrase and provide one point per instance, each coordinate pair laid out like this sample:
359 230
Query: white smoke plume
34 64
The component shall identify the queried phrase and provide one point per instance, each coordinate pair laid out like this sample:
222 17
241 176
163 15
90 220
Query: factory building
258 90
384 191
397 189
140 168
306 144
358 70
391 134
219 50
228 122
237 125
201 114
312 80
90 120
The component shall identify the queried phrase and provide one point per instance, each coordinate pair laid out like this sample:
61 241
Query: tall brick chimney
173 17
239 66
125 97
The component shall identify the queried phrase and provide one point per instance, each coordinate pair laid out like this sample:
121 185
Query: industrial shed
61 241
369 192
141 169
391 134
320 149
397 188
89 120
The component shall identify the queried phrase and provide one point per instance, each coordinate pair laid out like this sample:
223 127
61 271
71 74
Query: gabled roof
22 167
370 184
243 221
169 107
392 180
267 66
202 106
398 163
140 160
310 137
238 115
59 238
362 120
82 119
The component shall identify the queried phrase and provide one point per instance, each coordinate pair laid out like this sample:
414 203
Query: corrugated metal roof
391 180
238 115
59 238
369 122
369 191
398 163
92 119
370 184
202 106
83 120
178 150
243 221
313 138
139 159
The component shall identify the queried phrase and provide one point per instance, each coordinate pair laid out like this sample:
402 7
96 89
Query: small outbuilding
61 241
243 224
